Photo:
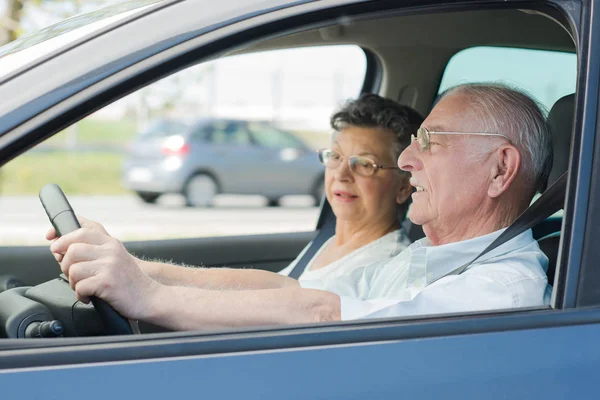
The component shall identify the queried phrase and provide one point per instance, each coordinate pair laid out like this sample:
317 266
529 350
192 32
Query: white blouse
376 251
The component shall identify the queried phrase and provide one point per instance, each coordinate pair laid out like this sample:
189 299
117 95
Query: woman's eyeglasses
358 164
422 136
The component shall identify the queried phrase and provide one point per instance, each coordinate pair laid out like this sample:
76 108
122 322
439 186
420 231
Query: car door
550 353
290 166
230 151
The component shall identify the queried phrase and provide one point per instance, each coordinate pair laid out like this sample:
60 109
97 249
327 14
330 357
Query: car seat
560 119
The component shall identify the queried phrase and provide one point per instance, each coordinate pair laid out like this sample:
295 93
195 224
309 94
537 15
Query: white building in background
297 89
300 88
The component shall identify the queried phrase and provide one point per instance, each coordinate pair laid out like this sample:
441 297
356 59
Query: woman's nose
409 159
342 171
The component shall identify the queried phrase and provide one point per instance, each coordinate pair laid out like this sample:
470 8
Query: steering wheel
63 219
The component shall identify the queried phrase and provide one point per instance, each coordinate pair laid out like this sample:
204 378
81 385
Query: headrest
560 120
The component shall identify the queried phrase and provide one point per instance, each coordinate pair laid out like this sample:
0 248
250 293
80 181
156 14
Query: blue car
203 158
57 77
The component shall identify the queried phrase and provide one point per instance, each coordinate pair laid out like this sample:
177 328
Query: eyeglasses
424 141
358 164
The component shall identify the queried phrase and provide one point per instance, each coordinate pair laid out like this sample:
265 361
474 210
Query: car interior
407 55
412 53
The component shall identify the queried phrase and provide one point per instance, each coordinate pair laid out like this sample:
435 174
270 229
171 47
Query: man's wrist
160 304
149 268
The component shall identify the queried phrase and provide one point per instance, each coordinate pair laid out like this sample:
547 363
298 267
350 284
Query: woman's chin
345 211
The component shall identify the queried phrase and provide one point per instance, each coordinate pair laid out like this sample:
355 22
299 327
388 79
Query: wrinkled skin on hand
97 264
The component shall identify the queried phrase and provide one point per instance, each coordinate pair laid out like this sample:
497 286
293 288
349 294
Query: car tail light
175 146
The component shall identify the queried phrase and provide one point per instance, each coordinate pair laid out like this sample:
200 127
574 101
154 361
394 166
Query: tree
15 12
10 22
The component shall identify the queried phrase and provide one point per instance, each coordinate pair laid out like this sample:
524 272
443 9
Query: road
24 222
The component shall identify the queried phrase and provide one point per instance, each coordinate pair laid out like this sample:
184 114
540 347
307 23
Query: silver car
203 158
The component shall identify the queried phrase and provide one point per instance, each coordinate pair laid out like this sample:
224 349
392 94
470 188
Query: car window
223 132
545 75
269 136
105 159
163 128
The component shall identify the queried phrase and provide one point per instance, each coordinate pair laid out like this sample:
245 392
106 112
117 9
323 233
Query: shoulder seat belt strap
326 227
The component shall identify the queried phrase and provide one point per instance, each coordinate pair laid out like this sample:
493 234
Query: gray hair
511 112
373 111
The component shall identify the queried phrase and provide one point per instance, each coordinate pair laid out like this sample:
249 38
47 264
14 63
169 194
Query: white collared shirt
512 275
379 250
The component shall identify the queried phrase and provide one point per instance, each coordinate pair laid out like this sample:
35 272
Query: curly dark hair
373 111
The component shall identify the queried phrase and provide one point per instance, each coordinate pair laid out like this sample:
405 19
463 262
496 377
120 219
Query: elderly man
476 163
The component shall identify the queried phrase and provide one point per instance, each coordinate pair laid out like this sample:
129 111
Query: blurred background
225 147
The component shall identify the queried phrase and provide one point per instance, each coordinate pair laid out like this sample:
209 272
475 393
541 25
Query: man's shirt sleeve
471 291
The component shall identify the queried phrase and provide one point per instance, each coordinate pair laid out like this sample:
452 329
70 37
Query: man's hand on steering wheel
97 264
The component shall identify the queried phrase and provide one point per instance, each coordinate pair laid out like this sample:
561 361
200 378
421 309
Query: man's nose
409 159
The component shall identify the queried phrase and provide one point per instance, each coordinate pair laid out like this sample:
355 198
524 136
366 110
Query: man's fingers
81 271
88 223
51 234
83 235
78 253
58 257
86 288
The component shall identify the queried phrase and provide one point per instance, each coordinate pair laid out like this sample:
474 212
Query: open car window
195 144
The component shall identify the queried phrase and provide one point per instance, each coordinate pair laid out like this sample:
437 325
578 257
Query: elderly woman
365 189
364 186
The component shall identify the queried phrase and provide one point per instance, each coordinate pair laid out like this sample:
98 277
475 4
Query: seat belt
552 200
326 227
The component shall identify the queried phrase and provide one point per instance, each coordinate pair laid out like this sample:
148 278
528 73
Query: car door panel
476 366
273 252
291 167
236 170
291 171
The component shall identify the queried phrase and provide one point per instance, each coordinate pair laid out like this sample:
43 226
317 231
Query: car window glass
228 133
162 128
113 174
269 136
545 75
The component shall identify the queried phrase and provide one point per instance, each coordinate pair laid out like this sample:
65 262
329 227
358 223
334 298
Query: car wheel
200 190
148 197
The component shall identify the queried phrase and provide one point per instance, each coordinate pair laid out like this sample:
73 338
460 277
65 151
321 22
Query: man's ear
404 190
504 170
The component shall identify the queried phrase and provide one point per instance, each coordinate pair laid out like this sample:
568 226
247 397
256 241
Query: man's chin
416 218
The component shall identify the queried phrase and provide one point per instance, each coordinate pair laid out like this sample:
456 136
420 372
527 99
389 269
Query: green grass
94 131
79 173
76 173
119 132
85 173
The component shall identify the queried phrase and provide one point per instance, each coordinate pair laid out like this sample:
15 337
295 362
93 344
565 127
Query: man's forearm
184 308
214 278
